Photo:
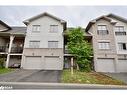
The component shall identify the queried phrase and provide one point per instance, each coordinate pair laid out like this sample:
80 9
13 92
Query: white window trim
36 31
53 31
101 46
30 46
53 46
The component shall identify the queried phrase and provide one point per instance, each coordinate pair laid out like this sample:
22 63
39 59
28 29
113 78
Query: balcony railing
120 33
16 50
3 48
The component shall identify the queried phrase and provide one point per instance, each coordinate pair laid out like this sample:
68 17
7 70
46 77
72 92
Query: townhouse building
42 44
109 40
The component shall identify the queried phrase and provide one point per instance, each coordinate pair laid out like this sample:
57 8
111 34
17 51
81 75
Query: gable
3 28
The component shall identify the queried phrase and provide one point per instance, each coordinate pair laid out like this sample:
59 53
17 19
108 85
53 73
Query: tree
81 49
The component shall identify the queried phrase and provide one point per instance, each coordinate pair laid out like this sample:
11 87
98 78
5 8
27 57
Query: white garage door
121 66
52 63
33 62
105 65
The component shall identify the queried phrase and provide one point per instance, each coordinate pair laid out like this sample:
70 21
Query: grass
88 78
5 70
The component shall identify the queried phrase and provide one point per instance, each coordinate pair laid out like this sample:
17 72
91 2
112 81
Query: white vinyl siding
53 28
104 45
52 44
34 44
36 28
122 46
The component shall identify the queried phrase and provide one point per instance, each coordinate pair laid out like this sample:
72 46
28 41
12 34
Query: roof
16 30
106 17
41 15
83 29
4 24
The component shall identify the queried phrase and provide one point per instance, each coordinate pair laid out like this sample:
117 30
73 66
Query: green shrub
2 60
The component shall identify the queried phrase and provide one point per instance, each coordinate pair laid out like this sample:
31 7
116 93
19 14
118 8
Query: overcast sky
74 15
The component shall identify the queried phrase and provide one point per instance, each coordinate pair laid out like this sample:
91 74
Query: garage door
105 65
52 63
121 65
33 62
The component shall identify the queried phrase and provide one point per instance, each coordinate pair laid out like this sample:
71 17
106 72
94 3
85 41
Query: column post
72 71
9 50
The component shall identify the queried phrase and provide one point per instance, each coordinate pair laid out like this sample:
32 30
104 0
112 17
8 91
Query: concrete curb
64 85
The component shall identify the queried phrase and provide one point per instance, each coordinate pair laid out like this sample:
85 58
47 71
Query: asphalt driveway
118 76
31 76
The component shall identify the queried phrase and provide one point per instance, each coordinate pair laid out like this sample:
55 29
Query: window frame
36 46
52 30
36 28
49 44
102 30
123 47
104 45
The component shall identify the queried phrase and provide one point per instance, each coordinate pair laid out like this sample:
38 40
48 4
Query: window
104 45
34 44
53 28
122 46
119 30
52 44
36 28
102 30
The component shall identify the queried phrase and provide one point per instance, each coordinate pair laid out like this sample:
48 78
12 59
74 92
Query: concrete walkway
118 76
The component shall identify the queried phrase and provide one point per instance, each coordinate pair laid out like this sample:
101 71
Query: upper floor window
104 45
122 46
52 44
119 30
53 28
34 44
102 30
36 28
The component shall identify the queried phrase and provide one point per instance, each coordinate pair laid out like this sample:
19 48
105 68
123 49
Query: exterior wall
44 36
42 52
120 38
111 53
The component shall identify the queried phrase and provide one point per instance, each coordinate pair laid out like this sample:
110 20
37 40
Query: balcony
66 51
3 48
16 49
120 33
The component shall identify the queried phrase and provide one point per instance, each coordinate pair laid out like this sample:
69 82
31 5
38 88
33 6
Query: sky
74 15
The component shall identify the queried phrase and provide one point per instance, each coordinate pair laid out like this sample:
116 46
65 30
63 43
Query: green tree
80 48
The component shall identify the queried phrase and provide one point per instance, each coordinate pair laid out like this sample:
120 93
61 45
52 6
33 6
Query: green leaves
81 49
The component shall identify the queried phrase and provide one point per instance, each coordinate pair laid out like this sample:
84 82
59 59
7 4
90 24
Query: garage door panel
121 65
52 63
105 65
33 62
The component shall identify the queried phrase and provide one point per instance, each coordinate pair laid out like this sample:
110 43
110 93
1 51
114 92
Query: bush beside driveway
88 78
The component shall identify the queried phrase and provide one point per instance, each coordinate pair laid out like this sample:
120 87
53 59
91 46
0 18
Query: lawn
5 70
88 78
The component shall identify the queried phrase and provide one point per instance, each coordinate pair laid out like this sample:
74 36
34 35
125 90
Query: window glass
36 28
34 44
52 44
53 28
104 45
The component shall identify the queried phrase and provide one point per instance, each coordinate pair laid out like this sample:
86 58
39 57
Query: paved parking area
118 76
31 76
